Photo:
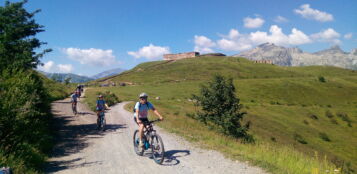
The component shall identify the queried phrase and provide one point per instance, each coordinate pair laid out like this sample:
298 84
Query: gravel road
82 149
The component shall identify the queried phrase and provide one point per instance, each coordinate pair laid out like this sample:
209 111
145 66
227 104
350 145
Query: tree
67 80
221 107
17 41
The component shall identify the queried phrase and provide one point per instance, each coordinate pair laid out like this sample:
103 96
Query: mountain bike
101 121
74 108
151 141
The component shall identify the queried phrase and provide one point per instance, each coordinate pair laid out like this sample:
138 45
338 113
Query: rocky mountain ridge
333 56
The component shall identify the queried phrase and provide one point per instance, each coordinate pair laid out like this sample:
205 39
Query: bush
306 122
313 116
324 136
25 118
221 107
299 139
345 118
110 98
322 79
329 114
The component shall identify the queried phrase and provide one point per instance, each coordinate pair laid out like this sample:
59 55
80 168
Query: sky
91 36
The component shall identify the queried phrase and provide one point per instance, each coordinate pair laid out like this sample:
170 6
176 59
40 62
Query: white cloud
306 12
92 56
203 44
47 67
65 68
235 41
277 36
253 22
150 52
328 35
280 19
51 67
348 36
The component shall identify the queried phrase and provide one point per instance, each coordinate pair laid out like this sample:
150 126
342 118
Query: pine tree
221 107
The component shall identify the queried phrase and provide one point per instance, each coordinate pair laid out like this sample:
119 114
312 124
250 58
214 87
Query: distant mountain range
61 77
279 55
107 73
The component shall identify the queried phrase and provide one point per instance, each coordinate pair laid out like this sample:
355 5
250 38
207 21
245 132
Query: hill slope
287 105
107 73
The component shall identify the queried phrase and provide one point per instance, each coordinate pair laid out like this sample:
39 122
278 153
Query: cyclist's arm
158 114
137 116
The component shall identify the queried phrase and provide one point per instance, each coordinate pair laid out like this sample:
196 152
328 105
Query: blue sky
90 36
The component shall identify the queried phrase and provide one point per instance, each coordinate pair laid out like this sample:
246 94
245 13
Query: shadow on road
72 139
62 165
85 113
172 155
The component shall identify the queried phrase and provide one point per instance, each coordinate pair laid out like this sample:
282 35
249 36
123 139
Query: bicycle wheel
136 144
98 123
157 148
103 121
74 109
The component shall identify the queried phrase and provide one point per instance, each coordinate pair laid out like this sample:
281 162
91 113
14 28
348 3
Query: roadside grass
282 102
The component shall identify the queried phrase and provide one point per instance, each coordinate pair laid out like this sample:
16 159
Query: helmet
143 95
100 96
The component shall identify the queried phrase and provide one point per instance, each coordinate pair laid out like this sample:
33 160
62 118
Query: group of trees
24 102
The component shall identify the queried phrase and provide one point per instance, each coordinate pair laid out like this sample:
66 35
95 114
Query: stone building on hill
181 56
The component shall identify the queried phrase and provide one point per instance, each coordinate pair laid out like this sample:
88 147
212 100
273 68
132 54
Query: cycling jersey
143 109
74 97
100 105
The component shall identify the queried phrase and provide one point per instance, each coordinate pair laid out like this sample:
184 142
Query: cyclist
101 106
141 112
74 98
78 89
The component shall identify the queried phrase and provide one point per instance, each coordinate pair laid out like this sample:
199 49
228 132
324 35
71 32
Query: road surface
82 149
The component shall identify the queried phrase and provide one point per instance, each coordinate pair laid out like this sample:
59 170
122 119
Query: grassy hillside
290 107
55 89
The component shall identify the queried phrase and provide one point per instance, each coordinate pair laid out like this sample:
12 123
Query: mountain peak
332 50
335 47
267 44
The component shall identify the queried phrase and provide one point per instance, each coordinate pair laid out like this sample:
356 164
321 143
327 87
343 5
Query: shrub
25 118
306 122
322 79
109 97
313 116
329 114
299 139
345 118
324 136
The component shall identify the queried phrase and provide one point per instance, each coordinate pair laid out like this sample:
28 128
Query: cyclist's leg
141 132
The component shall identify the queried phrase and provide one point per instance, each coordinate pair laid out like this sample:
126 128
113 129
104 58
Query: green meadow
303 118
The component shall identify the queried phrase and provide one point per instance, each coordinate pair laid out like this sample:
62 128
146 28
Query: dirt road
82 149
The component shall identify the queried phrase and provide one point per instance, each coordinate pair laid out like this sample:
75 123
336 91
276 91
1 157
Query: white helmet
143 95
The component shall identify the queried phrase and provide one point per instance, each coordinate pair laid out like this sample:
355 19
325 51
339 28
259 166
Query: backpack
147 105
